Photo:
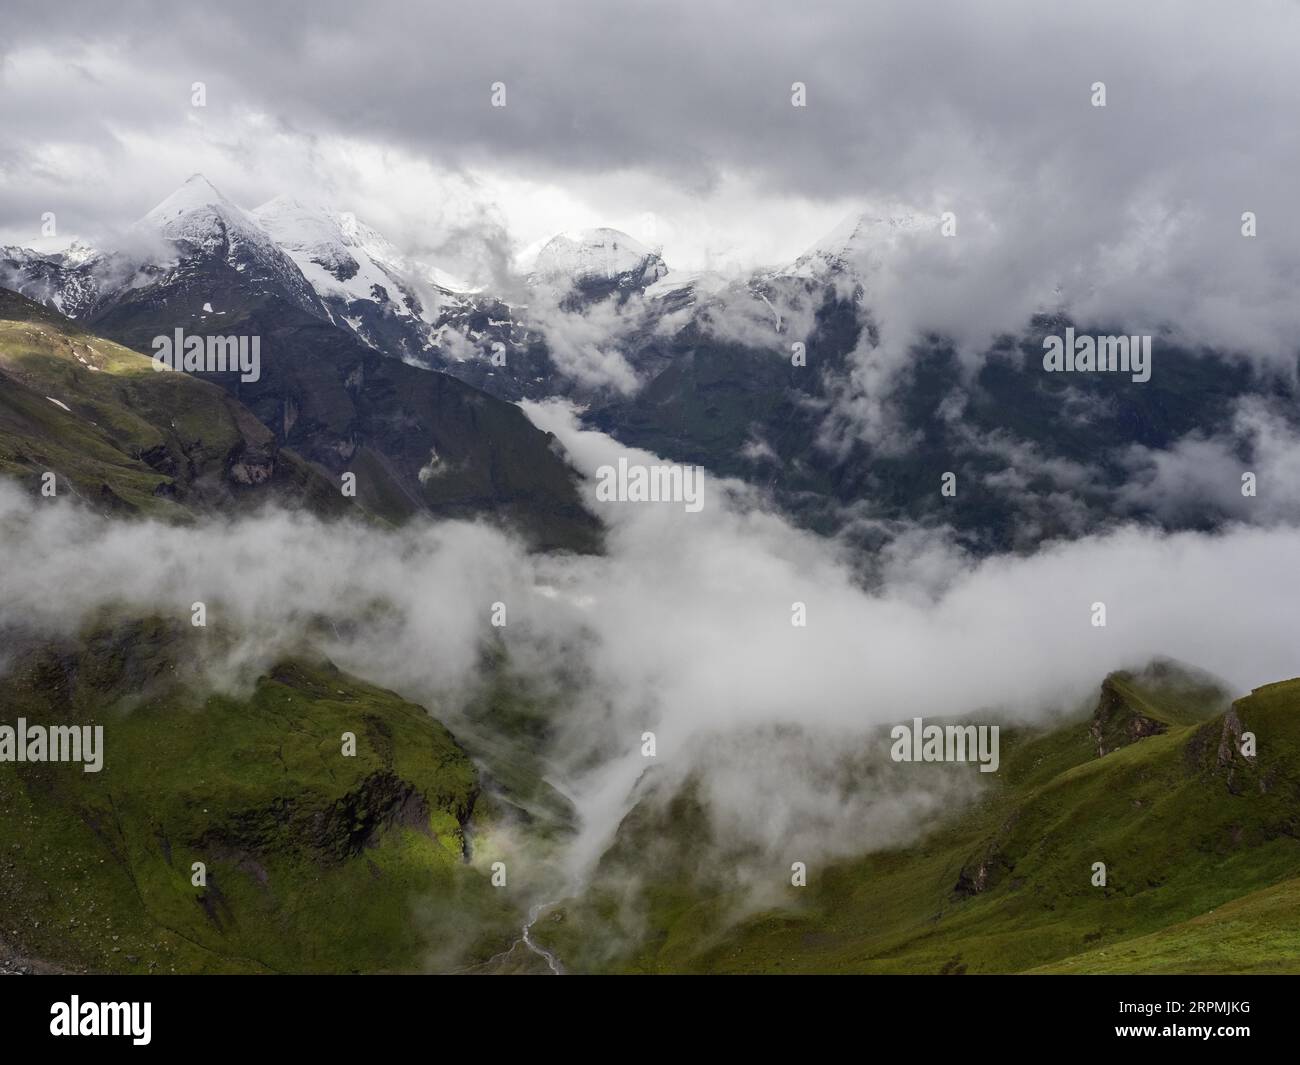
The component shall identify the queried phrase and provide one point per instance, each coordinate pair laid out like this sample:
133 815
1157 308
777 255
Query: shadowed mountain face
416 440
1035 456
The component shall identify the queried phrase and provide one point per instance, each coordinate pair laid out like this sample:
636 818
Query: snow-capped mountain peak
350 266
200 215
78 253
199 221
597 255
195 192
310 234
858 242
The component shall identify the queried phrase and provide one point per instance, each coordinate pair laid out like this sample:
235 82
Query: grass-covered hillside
1201 846
126 439
315 861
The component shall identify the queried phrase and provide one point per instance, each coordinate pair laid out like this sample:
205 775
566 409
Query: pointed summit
199 215
196 192
201 225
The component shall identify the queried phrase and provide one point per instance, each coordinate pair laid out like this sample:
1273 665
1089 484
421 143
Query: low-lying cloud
684 628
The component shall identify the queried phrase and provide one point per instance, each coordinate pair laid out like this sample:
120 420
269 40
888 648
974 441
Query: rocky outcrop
1117 722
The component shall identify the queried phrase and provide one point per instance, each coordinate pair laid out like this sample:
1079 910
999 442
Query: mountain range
415 441
697 368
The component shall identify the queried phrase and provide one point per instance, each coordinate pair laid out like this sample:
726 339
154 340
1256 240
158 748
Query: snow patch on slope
345 259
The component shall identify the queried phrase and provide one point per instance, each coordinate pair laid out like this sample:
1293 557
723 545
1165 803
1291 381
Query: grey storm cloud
918 104
1131 212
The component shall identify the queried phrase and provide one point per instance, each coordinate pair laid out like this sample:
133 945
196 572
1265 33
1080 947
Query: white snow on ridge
311 253
77 253
344 258
197 214
703 282
385 254
858 242
593 255
331 258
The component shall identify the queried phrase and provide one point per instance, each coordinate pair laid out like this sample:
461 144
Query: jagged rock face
988 868
1221 752
381 802
252 465
1116 723
333 833
71 282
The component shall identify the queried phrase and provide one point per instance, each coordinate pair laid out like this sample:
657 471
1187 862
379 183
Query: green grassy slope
1257 933
125 438
1184 823
316 862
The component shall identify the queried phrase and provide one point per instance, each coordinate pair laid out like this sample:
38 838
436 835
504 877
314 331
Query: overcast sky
673 120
